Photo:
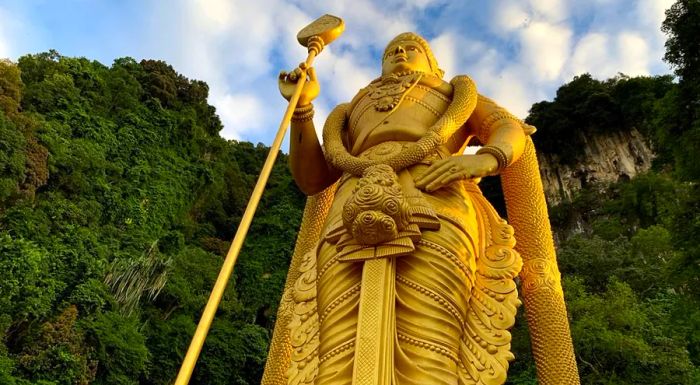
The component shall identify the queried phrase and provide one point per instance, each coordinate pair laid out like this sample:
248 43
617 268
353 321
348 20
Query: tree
682 25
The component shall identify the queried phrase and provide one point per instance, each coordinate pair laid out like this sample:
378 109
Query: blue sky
519 52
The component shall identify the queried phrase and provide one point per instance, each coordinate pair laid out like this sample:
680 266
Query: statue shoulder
438 85
358 96
447 88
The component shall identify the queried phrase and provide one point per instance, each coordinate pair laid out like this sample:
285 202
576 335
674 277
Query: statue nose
400 49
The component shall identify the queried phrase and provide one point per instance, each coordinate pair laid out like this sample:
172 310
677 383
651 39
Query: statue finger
437 182
283 75
427 177
445 180
312 74
433 172
298 74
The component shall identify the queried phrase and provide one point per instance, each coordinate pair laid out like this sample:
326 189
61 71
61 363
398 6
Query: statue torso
396 110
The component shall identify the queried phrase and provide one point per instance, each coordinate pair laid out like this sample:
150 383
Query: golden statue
403 273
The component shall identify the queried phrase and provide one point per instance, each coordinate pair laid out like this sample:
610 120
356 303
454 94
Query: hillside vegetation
117 202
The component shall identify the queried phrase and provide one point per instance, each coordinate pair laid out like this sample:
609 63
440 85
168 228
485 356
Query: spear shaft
315 45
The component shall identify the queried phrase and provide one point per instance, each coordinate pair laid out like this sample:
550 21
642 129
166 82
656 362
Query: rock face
607 158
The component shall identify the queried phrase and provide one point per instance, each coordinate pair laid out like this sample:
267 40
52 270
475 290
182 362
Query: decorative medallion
388 93
383 151
377 211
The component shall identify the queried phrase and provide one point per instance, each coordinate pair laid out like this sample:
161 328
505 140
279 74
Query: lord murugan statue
403 273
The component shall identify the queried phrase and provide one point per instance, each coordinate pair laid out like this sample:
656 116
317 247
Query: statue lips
401 58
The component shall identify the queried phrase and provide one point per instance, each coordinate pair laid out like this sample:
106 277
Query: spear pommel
321 32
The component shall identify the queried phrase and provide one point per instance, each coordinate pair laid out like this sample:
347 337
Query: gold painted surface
410 278
280 355
326 27
541 281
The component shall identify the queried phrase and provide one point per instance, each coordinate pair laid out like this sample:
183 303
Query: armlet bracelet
497 153
303 114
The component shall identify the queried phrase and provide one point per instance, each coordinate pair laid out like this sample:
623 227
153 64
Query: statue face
405 56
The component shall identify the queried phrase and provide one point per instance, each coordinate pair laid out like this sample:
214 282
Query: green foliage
620 339
12 158
683 53
117 200
7 364
144 276
586 106
120 348
682 47
629 283
10 87
246 343
28 288
56 352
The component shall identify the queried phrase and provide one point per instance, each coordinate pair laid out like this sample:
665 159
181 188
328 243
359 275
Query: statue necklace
388 92
460 108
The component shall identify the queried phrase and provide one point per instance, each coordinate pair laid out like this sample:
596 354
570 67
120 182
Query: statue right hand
287 83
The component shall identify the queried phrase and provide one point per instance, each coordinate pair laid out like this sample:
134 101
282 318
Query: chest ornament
387 94
460 108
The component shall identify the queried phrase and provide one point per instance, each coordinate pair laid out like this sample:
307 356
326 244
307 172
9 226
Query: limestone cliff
606 158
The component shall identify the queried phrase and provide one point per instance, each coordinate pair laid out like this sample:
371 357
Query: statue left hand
454 168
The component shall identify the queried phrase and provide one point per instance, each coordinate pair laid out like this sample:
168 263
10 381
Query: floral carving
377 211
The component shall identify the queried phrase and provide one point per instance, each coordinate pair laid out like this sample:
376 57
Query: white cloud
240 113
604 56
509 16
545 48
445 51
341 76
511 89
4 47
653 12
633 54
321 113
6 23
551 10
216 14
591 55
511 86
410 4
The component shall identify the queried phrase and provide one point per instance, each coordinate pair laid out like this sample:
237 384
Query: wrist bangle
497 153
303 114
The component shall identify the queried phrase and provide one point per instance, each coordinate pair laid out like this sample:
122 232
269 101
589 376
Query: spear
314 37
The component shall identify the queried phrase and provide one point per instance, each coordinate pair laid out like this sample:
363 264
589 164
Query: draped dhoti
425 301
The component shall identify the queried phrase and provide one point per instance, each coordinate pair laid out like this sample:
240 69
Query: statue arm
308 165
503 136
499 131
